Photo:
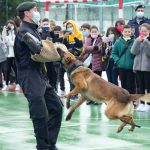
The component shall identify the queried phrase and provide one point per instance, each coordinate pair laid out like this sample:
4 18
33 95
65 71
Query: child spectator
124 59
107 60
141 50
73 40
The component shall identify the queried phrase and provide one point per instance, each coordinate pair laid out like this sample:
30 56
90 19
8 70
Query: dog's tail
143 97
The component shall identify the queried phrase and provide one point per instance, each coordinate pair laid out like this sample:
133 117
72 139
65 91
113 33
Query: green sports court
89 129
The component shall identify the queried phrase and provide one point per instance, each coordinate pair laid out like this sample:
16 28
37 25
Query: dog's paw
131 129
119 130
68 117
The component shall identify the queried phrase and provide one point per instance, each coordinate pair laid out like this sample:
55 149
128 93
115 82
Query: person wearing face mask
8 35
119 26
141 66
47 33
92 47
124 59
60 71
107 60
73 40
85 28
138 20
45 107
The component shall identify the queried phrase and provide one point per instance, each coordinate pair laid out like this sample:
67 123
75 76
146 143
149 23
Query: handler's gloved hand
33 43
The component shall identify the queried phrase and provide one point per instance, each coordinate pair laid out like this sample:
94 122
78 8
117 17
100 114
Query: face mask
57 36
36 17
140 14
70 29
94 36
111 37
85 33
45 27
119 28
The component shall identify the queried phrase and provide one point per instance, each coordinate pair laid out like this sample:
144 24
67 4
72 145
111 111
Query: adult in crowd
8 36
45 107
141 50
138 20
3 55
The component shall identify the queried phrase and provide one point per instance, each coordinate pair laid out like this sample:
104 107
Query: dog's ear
60 52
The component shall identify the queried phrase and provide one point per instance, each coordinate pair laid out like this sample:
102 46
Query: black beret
26 6
139 6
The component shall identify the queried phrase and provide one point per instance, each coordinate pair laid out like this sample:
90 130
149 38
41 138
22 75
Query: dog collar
75 66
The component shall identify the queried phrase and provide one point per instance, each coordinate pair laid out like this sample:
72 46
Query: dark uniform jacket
31 75
135 25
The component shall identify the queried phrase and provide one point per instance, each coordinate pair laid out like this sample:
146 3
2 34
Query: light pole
120 10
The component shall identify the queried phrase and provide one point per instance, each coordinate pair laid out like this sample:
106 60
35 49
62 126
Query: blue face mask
45 27
85 33
36 17
70 29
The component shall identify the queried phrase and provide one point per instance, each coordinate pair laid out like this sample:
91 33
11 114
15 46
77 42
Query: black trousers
98 73
143 78
52 74
2 72
61 78
46 114
127 77
10 65
112 73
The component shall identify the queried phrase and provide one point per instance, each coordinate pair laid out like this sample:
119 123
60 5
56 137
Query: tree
8 9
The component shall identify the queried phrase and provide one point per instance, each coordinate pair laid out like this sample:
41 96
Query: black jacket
46 34
135 26
31 75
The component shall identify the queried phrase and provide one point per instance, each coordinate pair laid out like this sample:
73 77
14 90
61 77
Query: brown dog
118 100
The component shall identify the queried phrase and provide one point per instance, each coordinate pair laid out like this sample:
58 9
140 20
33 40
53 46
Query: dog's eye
68 60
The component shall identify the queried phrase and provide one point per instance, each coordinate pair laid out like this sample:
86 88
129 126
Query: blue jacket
135 26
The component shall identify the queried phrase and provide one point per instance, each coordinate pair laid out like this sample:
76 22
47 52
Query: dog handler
45 107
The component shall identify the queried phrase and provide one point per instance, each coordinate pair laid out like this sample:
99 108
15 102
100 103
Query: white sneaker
5 88
61 93
140 107
17 87
146 108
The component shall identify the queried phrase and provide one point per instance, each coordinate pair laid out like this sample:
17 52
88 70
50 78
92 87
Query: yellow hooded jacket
76 32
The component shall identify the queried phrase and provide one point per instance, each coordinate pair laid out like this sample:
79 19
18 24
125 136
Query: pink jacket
96 55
